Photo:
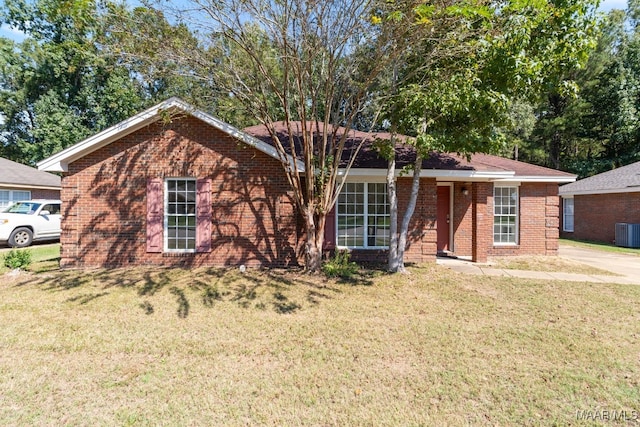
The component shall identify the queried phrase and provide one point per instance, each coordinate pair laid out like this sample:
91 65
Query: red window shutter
330 230
203 215
154 215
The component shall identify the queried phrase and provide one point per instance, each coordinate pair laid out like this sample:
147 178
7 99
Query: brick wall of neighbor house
37 193
45 194
538 226
254 221
596 215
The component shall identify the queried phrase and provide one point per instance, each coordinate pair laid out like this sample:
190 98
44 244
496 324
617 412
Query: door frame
450 245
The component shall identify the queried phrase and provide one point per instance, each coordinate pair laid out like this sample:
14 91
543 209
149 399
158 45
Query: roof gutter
599 191
29 186
549 179
461 175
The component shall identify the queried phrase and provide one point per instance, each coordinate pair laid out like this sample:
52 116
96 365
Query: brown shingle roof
16 174
369 158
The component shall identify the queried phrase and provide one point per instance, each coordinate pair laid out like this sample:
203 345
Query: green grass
600 246
547 263
43 257
215 347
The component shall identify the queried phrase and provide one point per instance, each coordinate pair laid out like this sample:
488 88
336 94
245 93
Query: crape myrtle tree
307 61
452 90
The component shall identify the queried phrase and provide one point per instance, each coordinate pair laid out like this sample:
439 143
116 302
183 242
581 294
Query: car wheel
20 237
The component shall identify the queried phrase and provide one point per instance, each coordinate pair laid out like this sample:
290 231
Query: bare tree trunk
314 227
406 219
554 150
393 215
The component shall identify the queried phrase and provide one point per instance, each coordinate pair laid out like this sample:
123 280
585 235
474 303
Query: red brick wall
482 220
422 238
45 194
104 199
462 219
596 215
538 221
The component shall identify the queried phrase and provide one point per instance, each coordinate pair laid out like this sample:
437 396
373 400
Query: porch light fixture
465 191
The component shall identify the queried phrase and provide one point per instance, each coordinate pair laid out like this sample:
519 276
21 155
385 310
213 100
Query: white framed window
505 215
567 215
180 215
362 215
9 197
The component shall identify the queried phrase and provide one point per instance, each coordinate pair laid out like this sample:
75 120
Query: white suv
28 221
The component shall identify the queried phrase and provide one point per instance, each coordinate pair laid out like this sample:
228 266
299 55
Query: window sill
178 254
362 248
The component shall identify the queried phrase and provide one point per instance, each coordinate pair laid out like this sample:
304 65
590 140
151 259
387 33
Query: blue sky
606 5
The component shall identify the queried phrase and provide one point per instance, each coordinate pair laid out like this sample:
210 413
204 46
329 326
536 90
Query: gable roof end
59 162
625 179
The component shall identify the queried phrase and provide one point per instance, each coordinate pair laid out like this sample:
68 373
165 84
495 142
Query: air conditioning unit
628 235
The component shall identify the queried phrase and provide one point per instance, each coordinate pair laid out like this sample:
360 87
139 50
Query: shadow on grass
283 291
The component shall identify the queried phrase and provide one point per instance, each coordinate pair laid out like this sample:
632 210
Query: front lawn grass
547 263
217 347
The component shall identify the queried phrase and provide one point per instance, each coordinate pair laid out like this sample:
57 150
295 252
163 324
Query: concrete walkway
628 266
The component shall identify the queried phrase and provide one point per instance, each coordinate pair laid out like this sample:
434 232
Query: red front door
443 212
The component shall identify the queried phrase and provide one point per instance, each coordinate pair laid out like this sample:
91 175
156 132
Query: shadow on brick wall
254 218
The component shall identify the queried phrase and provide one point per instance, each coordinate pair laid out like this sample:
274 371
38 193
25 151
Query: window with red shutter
154 215
203 215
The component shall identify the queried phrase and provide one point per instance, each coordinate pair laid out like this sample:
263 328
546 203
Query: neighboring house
175 186
20 182
591 207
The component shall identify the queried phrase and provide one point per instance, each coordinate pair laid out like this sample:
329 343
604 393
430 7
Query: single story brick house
175 186
21 182
591 207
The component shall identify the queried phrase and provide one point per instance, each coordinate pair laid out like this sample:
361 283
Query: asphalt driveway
626 265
